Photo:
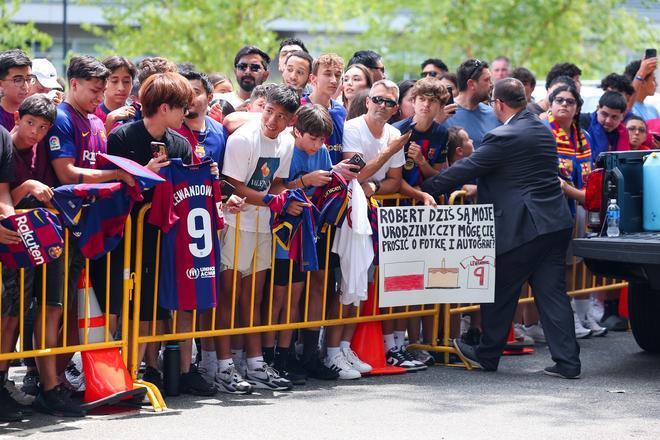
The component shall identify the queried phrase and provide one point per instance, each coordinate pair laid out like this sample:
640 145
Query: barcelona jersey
76 136
333 142
187 208
41 239
433 144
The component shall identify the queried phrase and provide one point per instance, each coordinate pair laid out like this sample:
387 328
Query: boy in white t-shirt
257 158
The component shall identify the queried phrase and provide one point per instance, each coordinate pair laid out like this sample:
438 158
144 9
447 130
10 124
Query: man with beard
251 69
474 86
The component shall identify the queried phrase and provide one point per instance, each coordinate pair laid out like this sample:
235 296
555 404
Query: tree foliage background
597 35
19 36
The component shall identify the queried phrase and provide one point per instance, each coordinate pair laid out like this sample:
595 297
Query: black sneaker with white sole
417 365
397 358
10 409
266 377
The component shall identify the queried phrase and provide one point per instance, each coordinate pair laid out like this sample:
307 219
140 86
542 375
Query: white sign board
436 255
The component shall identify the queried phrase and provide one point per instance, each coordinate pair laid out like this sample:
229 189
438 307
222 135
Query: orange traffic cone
513 347
106 378
367 340
95 327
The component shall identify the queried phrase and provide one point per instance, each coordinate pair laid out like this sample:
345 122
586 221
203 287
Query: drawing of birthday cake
442 277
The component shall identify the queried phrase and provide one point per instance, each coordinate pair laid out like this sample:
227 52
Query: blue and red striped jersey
76 136
188 209
41 239
331 201
100 226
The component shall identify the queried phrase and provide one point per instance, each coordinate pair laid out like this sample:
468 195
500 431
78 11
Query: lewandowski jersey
334 141
188 210
41 239
76 136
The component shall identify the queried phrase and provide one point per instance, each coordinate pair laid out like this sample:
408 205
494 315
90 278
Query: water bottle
171 369
613 217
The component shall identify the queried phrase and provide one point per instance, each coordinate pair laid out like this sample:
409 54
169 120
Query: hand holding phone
358 161
158 149
650 53
226 189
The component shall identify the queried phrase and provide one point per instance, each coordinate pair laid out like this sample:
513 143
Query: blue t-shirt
208 143
334 142
476 122
434 148
645 111
301 164
76 136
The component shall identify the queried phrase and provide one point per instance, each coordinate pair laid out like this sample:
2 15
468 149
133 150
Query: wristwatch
639 78
376 186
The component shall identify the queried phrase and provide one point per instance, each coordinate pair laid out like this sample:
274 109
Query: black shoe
472 336
317 370
194 383
614 323
10 410
556 372
467 352
282 366
153 376
31 383
57 402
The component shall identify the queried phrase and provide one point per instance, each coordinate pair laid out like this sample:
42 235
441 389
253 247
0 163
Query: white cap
612 201
45 73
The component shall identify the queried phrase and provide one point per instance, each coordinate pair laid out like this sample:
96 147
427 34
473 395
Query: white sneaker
208 369
355 361
535 332
266 377
580 331
596 310
521 336
596 329
341 365
230 382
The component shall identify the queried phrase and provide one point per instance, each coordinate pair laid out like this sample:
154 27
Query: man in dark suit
516 168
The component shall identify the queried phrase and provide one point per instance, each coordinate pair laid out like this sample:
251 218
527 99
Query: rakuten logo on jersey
194 273
27 235
89 156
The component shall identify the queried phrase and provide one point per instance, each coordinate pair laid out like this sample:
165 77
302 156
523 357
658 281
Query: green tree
19 36
597 35
207 33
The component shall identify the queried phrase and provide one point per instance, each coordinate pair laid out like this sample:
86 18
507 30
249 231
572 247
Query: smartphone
451 98
226 189
158 148
410 127
357 160
656 136
650 53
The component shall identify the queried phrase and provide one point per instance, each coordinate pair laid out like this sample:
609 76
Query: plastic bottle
171 369
613 217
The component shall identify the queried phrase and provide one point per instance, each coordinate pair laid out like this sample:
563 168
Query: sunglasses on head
379 100
253 67
477 68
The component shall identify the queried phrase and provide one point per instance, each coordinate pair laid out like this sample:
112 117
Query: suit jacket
516 168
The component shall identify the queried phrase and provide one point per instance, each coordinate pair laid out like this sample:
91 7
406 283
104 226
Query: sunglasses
379 100
568 101
253 67
477 68
432 74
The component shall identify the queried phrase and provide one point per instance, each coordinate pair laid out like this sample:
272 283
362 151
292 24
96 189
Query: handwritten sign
436 255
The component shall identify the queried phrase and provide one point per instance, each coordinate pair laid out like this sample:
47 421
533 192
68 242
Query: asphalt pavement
617 398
